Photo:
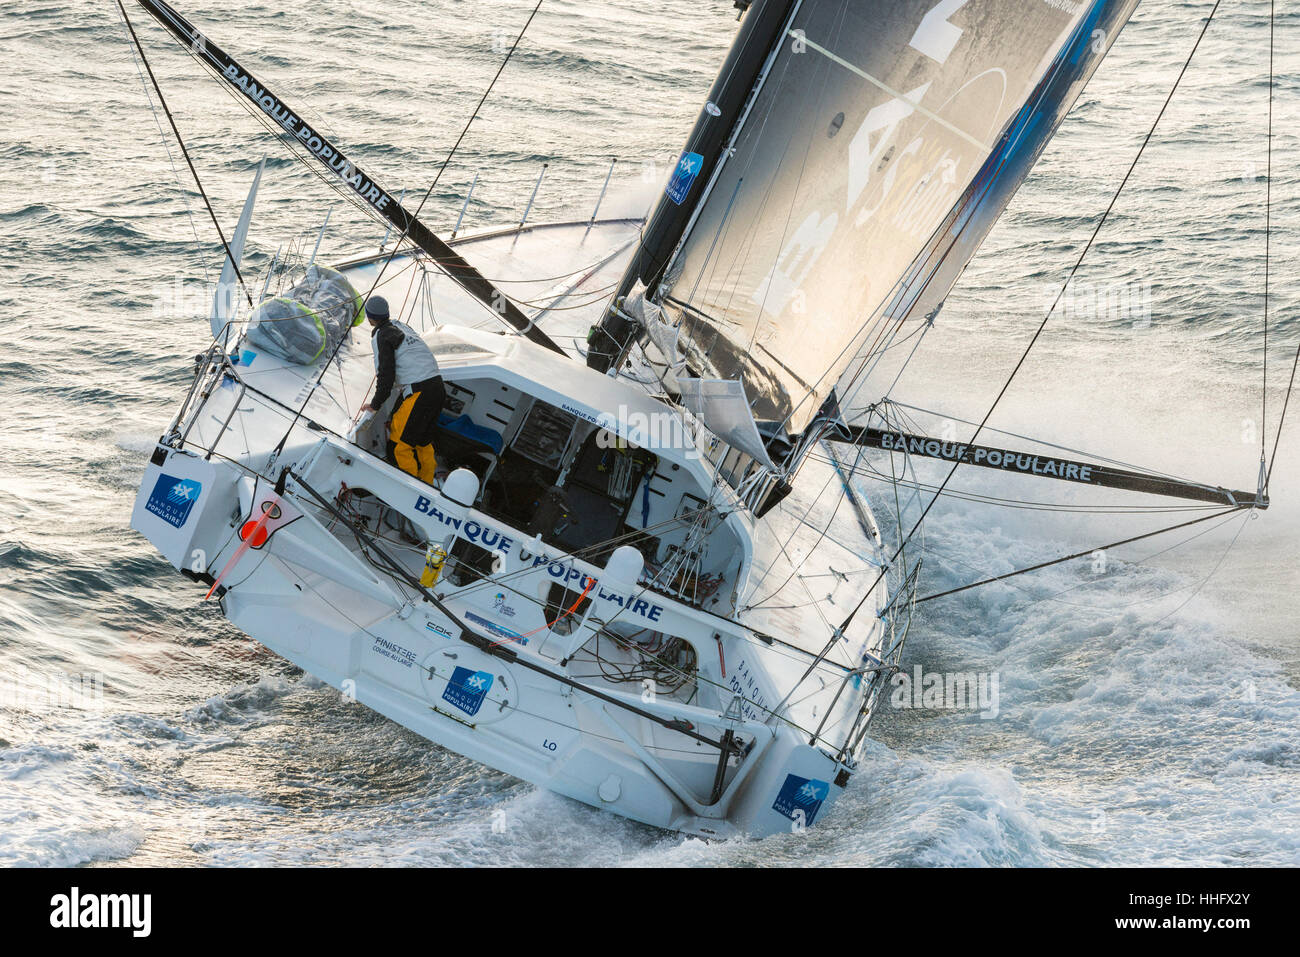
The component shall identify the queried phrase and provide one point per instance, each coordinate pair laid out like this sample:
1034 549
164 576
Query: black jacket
385 338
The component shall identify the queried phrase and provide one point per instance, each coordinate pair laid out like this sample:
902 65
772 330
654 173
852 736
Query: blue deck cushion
466 428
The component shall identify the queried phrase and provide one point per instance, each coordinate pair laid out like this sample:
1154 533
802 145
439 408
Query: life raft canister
434 557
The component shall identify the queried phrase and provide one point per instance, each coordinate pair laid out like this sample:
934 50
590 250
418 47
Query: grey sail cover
721 404
309 320
885 140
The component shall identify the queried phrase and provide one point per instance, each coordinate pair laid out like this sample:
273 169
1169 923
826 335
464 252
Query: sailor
403 360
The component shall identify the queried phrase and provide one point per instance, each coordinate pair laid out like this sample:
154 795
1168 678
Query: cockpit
554 472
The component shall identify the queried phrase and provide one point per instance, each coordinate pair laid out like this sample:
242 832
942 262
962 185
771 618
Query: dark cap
376 307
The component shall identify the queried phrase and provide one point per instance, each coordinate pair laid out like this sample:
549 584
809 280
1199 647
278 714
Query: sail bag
309 320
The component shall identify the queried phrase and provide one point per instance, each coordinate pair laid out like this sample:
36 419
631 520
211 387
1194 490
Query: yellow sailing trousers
413 459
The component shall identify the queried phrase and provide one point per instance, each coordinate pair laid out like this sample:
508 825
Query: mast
751 51
371 195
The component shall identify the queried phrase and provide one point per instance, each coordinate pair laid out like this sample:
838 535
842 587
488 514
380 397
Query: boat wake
1124 735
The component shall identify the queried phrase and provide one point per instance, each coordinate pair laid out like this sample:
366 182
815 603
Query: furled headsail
851 158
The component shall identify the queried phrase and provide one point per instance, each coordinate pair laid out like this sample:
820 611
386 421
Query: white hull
500 668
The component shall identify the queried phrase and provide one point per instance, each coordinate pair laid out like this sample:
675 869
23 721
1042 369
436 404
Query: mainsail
367 192
876 143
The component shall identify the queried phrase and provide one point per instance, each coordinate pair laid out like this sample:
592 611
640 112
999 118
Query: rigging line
814 601
873 353
871 361
455 146
908 466
171 159
583 268
967 495
1055 597
762 603
491 698
492 648
803 521
909 277
1037 507
416 215
1043 325
1268 223
864 373
803 168
838 633
926 326
597 294
1213 571
1082 554
184 152
844 489
896 94
750 634
548 305
1286 400
916 427
1286 397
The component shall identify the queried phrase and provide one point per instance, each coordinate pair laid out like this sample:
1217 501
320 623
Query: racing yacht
643 577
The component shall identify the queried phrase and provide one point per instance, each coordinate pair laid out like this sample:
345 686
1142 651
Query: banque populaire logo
172 499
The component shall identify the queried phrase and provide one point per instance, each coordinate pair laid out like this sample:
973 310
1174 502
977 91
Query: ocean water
1147 708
